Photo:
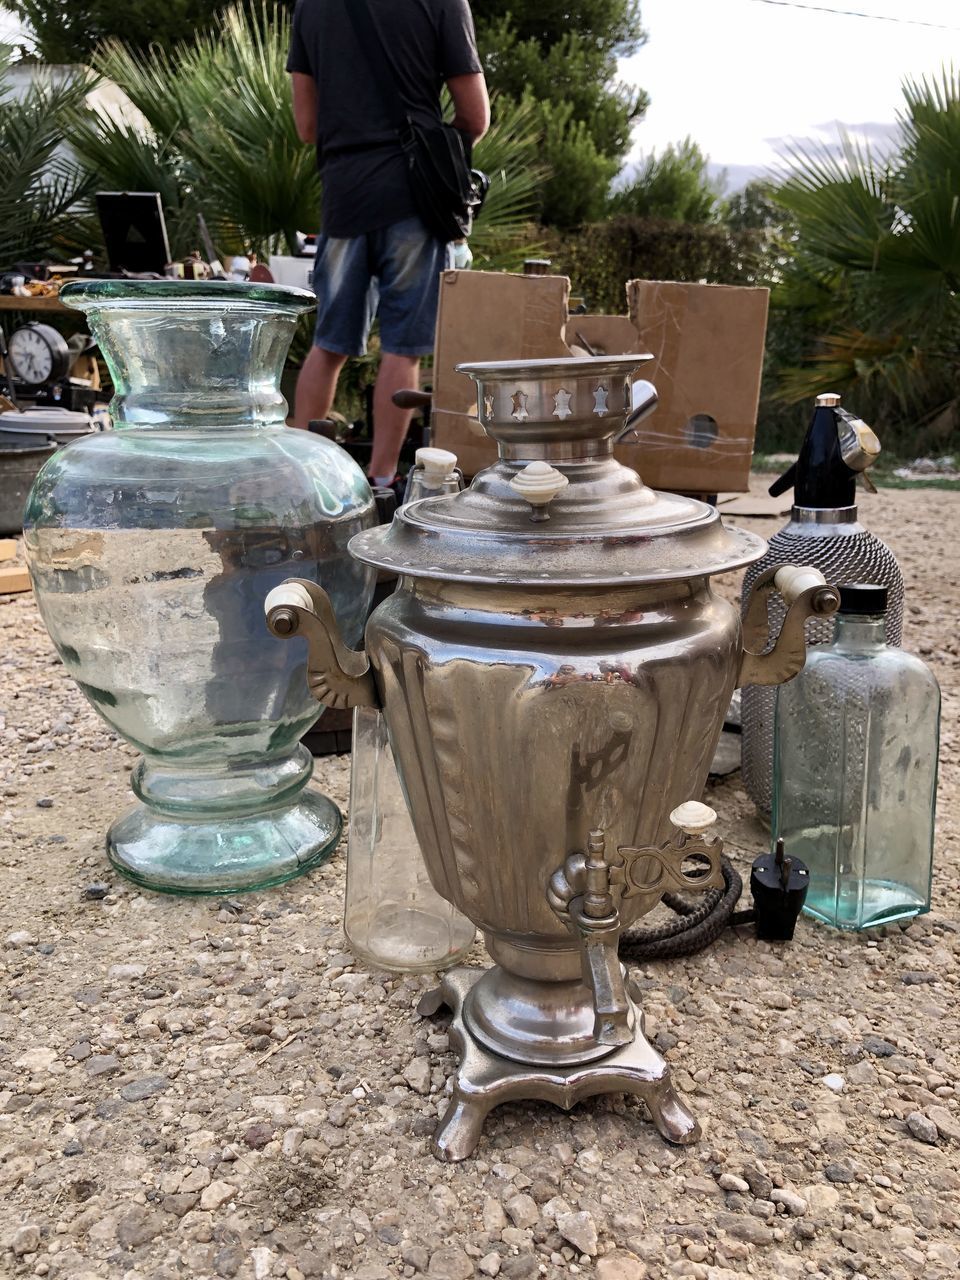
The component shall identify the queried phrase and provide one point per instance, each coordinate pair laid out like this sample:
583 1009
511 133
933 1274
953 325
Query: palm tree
218 135
220 139
876 266
40 188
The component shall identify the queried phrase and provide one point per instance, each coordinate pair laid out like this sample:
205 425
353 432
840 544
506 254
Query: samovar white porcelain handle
289 595
693 818
791 579
337 676
539 484
807 595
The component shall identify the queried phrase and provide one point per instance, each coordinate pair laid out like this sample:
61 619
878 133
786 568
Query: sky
740 76
10 27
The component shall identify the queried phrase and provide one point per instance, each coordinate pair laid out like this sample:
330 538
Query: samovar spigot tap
587 890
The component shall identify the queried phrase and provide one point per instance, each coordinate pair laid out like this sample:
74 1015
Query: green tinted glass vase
151 549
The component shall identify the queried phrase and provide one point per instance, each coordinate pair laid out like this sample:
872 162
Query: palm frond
509 154
840 199
877 262
40 186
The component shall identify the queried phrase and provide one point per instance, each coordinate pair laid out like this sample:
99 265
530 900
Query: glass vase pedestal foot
177 855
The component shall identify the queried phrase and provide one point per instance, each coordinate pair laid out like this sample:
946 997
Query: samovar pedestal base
484 1080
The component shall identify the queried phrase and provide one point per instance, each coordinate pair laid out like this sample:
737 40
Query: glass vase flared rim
83 295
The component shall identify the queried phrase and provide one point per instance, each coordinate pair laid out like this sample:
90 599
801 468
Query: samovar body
554 670
522 720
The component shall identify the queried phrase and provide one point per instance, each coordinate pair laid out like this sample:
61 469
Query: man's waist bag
447 192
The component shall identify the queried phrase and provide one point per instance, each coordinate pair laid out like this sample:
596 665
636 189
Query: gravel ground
209 1088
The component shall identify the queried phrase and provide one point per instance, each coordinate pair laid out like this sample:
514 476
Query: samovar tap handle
337 676
586 892
807 595
646 874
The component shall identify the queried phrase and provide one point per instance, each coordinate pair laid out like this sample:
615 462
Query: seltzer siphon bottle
825 533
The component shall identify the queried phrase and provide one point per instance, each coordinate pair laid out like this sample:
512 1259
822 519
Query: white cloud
741 77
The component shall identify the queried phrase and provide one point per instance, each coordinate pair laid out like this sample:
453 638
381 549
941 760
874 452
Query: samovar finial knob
539 484
693 818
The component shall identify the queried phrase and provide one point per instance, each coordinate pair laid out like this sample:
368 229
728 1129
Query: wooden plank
52 303
13 578
8 549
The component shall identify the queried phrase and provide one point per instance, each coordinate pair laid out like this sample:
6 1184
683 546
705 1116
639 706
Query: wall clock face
38 354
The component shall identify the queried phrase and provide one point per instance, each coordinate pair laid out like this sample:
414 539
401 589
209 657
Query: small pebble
730 1182
791 1201
26 1239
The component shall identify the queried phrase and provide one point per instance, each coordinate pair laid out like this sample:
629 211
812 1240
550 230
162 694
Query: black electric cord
699 923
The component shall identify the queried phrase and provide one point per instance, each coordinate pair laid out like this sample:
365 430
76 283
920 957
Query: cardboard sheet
488 315
707 341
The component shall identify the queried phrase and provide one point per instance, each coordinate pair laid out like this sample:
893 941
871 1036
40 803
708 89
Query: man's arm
471 104
305 105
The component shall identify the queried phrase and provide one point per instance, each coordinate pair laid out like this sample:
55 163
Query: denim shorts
394 271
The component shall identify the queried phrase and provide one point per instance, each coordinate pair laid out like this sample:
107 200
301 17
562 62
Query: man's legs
409 262
397 373
346 302
317 385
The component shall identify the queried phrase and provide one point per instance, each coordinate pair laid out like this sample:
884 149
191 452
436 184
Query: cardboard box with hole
707 347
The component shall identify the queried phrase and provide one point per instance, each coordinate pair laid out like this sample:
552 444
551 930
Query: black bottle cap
386 500
779 887
863 597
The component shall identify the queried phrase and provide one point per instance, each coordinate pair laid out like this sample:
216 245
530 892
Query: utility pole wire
856 13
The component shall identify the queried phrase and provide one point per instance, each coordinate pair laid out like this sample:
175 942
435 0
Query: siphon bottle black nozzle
836 449
779 887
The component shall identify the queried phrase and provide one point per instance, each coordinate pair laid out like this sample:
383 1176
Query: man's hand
305 105
471 104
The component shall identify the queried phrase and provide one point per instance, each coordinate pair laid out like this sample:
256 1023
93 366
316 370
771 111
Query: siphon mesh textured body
844 553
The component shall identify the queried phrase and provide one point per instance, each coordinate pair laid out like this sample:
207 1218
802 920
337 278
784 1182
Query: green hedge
602 256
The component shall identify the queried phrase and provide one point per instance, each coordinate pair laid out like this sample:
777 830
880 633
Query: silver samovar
554 671
824 533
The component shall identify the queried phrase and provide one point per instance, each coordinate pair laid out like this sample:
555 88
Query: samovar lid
557 508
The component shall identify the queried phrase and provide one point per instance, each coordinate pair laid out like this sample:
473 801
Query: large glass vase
151 548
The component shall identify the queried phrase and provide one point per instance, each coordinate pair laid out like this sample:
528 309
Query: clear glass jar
855 771
434 472
152 548
393 916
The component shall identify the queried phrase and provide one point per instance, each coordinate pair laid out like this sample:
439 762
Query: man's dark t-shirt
427 42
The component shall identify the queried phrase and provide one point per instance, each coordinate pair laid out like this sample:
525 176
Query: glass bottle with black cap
855 770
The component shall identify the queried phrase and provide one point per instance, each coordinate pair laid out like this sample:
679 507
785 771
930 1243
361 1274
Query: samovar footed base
484 1080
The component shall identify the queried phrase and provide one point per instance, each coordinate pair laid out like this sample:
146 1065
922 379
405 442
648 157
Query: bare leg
390 423
317 385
